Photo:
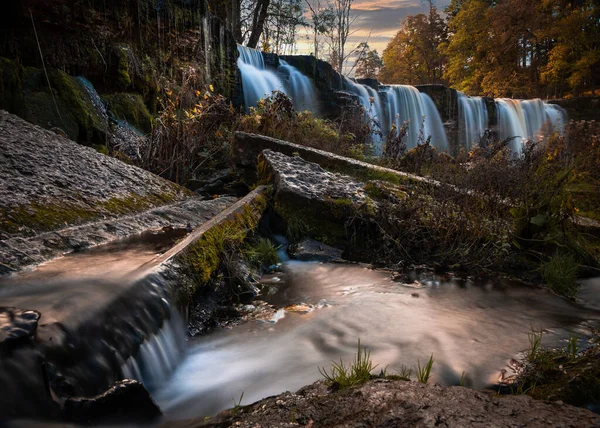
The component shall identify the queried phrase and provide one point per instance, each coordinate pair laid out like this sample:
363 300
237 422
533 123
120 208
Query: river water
474 327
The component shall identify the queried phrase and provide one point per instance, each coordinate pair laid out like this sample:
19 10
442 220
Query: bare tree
322 17
340 31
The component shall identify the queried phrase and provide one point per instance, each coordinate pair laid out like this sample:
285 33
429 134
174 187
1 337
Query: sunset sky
380 18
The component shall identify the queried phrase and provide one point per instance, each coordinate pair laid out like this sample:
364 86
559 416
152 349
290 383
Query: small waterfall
371 101
299 87
528 119
473 119
406 104
158 355
257 81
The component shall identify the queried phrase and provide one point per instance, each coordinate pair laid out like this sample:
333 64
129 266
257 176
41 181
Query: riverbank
389 403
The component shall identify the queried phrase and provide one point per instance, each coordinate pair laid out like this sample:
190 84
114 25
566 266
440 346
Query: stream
469 326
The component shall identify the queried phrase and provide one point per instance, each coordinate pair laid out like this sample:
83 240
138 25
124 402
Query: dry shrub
188 139
276 117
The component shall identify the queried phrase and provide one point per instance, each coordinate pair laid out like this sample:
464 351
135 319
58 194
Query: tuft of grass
345 376
572 346
560 274
463 378
535 342
424 372
262 252
405 372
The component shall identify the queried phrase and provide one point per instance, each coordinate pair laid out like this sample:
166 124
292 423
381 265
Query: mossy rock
68 107
11 95
130 108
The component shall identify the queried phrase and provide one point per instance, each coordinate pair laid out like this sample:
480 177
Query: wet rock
17 326
386 403
309 249
305 180
125 401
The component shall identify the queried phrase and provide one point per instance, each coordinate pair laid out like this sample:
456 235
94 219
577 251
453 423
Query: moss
43 217
130 108
11 95
201 260
76 114
122 69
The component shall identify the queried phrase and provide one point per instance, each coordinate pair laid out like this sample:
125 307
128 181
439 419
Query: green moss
11 95
130 108
202 259
122 71
76 114
43 217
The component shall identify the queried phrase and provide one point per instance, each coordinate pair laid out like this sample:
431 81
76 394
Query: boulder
17 326
309 249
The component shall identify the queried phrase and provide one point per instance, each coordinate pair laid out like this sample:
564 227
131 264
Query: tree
468 46
259 16
413 56
339 32
368 62
279 34
322 19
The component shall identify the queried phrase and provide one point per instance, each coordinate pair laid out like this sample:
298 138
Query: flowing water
528 119
300 88
402 104
406 105
474 327
257 81
472 119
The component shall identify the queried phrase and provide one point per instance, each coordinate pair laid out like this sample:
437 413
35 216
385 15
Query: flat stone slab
20 252
386 403
50 182
307 180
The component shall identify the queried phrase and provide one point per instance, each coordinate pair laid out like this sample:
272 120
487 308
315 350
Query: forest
498 48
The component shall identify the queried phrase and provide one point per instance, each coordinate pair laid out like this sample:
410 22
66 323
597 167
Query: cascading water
257 81
159 355
473 119
406 104
371 101
527 119
299 87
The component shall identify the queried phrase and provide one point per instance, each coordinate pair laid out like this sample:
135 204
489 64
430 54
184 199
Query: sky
378 21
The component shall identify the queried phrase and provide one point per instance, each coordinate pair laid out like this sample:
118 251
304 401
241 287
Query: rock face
385 403
125 401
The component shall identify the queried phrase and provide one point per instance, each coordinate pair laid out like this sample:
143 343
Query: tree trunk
258 22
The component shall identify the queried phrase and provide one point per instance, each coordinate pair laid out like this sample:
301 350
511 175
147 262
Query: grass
424 372
570 374
347 375
262 252
560 274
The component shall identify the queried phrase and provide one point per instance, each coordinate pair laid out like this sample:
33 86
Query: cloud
379 20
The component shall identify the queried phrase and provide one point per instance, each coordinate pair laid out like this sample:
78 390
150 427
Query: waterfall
406 104
473 119
257 81
371 101
299 87
528 119
158 355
